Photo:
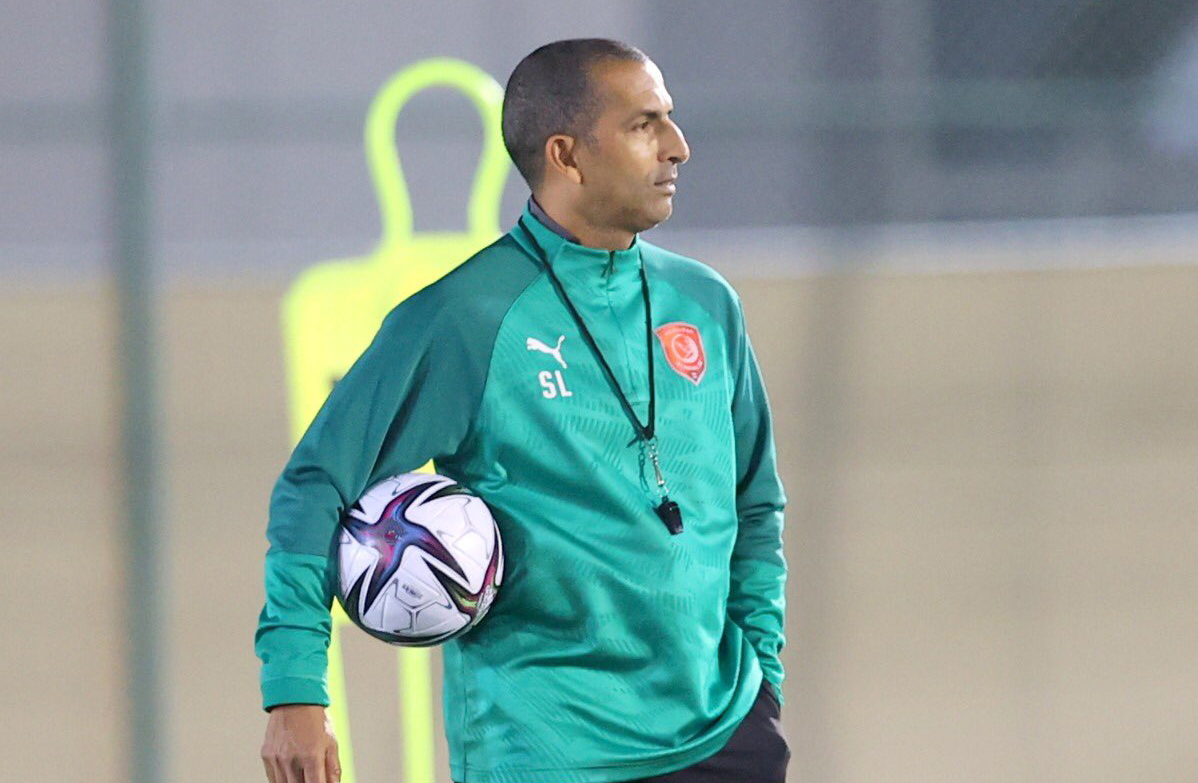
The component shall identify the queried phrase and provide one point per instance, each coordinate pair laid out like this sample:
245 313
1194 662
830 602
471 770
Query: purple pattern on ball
392 535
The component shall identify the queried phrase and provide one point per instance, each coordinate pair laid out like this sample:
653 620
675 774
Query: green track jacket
614 650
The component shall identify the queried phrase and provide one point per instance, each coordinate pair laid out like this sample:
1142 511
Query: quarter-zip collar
540 214
589 265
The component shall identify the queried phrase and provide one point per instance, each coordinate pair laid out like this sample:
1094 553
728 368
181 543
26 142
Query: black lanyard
668 510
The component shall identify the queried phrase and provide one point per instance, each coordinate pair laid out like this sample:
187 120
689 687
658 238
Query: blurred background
966 236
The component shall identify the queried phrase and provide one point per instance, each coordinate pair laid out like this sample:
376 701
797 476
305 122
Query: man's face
631 160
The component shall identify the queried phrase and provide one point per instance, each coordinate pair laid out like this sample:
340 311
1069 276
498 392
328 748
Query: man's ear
560 156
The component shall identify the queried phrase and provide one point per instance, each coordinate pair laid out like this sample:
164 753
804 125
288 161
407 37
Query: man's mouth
668 184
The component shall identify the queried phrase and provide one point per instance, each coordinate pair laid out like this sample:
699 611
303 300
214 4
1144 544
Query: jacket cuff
294 690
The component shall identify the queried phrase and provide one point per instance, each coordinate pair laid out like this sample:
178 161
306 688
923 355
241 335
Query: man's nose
676 150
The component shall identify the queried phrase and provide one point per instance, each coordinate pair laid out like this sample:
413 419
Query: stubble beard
645 216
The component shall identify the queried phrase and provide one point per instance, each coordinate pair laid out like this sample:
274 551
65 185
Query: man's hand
300 746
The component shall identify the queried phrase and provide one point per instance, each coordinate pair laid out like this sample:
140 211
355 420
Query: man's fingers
332 764
271 774
314 769
282 771
295 769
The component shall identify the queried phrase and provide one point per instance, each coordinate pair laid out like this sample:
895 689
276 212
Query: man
601 395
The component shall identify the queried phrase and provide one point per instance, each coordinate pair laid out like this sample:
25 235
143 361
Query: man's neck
576 229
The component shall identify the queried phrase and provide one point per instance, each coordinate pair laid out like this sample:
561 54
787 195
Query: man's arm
409 397
338 452
757 598
378 420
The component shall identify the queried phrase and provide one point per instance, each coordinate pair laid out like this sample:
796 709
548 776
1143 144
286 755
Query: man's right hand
300 746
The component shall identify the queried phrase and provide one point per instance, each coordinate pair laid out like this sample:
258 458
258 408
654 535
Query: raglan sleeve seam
476 426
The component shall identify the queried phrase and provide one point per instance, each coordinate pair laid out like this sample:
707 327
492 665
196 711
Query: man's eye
642 125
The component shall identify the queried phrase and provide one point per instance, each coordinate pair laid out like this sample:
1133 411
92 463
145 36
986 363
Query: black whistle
671 515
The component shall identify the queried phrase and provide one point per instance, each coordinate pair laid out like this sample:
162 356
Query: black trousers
756 753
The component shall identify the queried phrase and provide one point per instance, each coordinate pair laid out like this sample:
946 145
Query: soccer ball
419 560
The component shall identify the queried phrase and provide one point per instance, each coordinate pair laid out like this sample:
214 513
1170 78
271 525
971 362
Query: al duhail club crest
683 346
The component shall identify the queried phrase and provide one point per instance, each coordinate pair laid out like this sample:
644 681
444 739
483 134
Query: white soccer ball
420 560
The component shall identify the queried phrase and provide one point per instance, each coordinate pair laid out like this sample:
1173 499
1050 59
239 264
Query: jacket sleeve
408 398
756 600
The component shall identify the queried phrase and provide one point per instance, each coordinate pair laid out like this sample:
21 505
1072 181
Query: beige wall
991 529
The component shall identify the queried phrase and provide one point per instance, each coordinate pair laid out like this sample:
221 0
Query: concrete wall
991 533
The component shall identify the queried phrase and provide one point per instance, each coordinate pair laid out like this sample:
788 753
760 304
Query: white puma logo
533 344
